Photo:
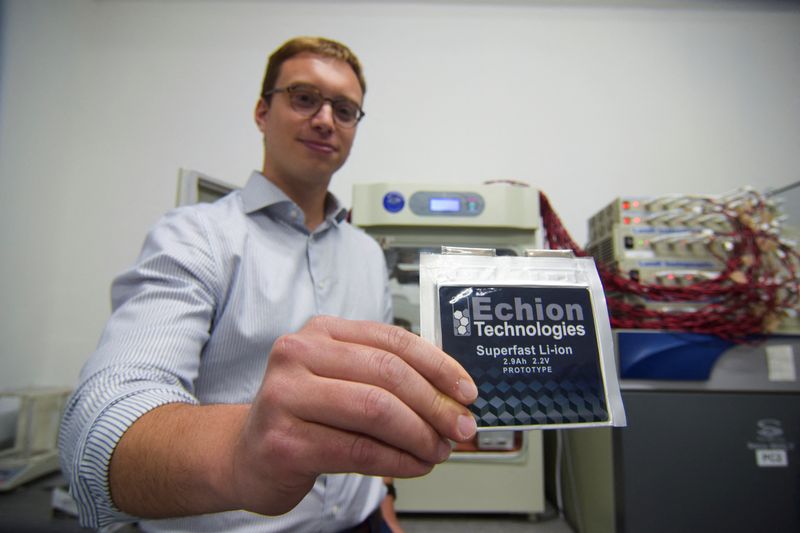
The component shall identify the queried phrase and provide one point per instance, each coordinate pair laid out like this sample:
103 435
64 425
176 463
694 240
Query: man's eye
306 100
345 110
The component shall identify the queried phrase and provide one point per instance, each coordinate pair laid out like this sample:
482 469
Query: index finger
441 370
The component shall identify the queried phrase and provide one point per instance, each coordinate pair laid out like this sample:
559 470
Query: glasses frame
289 89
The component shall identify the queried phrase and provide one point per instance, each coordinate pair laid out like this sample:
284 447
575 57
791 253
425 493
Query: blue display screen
444 205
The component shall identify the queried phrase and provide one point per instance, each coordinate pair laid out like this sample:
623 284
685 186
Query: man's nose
323 118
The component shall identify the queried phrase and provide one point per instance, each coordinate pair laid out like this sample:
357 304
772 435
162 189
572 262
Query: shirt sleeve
148 355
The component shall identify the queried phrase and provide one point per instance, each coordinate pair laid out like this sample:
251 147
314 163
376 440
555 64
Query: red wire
757 285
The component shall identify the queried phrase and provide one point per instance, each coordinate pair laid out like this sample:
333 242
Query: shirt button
321 284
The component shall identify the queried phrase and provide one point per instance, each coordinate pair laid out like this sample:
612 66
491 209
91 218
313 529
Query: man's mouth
319 146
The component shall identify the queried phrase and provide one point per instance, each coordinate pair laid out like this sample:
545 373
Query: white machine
499 472
29 421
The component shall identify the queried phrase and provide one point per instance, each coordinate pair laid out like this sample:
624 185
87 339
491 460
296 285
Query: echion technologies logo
515 318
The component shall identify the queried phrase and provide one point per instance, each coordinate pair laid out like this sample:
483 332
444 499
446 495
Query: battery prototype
533 332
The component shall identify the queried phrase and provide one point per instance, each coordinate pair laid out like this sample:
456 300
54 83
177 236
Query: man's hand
337 396
347 396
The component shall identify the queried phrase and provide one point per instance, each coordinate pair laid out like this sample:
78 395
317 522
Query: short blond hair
315 45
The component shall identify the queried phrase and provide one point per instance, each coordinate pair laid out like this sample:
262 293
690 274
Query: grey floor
447 523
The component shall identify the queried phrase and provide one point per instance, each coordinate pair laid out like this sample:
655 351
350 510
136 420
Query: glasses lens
346 112
306 101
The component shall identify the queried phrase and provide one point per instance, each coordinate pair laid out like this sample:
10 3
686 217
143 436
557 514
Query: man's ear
260 114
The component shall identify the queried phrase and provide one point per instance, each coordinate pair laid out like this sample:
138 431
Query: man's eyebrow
303 84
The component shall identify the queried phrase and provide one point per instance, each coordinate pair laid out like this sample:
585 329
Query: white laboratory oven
499 472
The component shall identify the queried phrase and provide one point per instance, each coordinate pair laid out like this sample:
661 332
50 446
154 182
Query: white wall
103 100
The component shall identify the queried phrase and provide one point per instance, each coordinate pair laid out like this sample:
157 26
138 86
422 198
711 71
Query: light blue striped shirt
194 321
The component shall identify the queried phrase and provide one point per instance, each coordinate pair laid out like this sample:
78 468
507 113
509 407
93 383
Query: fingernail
444 450
466 426
467 389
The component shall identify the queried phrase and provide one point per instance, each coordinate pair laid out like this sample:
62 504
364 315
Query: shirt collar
260 193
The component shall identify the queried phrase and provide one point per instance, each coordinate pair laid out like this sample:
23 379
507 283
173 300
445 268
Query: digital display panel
444 205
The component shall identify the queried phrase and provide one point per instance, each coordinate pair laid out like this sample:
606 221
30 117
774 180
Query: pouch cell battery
532 332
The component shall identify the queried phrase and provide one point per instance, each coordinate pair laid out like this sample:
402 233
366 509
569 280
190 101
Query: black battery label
532 351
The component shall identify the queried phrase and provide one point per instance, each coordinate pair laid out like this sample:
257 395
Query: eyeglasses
307 100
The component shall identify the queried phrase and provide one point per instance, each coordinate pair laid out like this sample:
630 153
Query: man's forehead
329 74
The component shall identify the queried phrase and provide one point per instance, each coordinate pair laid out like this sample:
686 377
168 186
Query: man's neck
310 198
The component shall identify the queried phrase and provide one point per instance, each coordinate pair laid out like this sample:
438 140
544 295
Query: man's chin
322 172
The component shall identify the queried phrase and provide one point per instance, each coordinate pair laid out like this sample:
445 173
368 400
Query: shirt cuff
90 485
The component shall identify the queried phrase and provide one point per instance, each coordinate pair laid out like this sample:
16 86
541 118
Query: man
245 381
